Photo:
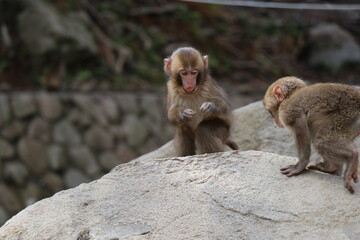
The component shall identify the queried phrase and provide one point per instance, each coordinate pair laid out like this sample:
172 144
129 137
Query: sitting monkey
196 105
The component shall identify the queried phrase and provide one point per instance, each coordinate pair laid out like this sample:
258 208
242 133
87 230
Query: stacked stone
50 142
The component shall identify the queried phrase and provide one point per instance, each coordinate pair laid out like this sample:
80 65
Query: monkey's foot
348 186
351 172
347 180
325 167
355 177
292 170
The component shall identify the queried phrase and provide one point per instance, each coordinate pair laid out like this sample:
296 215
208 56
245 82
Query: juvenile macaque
326 115
196 105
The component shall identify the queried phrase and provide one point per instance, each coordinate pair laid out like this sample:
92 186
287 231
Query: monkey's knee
211 136
209 145
214 127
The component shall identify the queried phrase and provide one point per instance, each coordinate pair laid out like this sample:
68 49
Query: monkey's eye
187 73
183 73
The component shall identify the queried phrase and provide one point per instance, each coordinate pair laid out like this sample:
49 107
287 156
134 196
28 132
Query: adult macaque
196 105
324 114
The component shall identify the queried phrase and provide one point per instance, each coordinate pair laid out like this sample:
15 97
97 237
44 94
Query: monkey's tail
232 145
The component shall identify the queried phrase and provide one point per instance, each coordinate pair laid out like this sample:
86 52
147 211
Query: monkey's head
187 67
279 91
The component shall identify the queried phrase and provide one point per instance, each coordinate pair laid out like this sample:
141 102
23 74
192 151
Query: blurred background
82 87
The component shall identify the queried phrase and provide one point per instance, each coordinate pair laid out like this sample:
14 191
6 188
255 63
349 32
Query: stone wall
55 141
50 142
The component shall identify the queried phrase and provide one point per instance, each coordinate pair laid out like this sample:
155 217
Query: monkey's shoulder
321 99
331 89
326 92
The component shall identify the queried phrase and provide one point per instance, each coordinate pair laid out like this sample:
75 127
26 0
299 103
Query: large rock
252 129
331 46
231 195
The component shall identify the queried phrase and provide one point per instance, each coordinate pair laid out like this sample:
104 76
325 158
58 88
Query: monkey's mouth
190 89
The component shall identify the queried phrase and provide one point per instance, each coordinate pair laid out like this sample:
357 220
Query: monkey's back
326 97
330 108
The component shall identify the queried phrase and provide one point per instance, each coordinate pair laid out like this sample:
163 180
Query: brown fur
203 131
326 115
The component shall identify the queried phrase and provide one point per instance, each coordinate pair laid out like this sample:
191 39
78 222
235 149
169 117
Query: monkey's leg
302 137
211 135
326 167
184 141
338 152
351 170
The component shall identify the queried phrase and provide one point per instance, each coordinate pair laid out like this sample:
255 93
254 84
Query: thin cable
282 5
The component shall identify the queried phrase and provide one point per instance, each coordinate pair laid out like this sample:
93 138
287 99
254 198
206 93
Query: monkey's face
188 79
187 67
272 105
276 119
275 116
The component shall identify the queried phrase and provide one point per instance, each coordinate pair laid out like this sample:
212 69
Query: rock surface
231 195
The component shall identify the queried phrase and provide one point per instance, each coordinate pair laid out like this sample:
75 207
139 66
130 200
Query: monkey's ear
278 93
167 65
206 62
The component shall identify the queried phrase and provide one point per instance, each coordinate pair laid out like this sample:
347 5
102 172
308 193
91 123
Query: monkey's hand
187 114
292 170
208 107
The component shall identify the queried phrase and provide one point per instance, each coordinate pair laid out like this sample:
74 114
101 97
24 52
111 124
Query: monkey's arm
302 137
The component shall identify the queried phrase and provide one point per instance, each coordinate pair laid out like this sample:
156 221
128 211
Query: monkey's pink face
272 106
275 117
188 79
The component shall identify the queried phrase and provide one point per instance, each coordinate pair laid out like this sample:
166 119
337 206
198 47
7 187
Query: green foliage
87 35
83 75
2 65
